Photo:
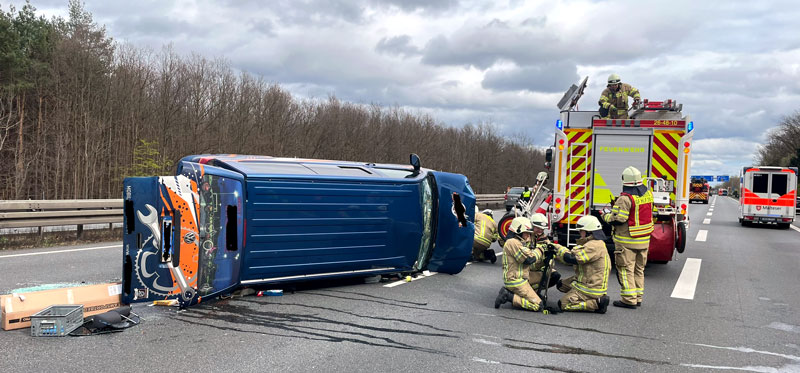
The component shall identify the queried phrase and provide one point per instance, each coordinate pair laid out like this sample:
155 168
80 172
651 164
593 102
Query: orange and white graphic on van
786 200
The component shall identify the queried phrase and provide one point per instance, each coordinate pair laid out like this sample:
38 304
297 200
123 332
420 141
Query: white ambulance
768 195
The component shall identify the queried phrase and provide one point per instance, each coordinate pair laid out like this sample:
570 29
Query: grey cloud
397 46
156 25
264 26
413 5
552 77
535 21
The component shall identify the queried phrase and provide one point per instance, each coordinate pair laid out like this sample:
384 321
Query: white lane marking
482 360
711 209
701 235
793 227
759 369
709 213
687 281
60 251
403 281
490 343
748 350
707 221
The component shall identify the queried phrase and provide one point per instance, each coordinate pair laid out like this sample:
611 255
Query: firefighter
539 222
485 234
526 194
517 259
586 291
632 220
614 99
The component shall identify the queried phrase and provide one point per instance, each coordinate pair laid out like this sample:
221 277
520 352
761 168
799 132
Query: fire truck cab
590 153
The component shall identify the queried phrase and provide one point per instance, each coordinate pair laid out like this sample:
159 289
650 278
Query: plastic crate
57 320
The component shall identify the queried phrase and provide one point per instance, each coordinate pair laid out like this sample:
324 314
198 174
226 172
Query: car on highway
224 221
511 197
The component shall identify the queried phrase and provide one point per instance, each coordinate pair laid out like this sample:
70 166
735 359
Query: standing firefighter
517 260
614 99
485 234
586 291
632 219
526 194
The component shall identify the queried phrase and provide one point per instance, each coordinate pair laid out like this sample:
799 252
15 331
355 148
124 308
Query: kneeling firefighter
539 222
586 291
517 260
485 234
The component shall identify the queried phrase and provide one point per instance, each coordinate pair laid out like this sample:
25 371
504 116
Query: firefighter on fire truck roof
632 219
614 99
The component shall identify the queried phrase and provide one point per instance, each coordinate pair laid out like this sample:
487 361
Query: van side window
779 182
760 183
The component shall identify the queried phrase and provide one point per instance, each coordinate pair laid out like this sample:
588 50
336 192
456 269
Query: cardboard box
16 309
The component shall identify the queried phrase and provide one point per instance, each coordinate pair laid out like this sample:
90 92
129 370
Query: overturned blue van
225 221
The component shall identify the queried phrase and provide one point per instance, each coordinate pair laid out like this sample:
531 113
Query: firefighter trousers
630 272
525 297
574 300
477 250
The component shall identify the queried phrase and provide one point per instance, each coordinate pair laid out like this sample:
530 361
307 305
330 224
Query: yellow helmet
614 79
539 220
589 223
631 176
521 224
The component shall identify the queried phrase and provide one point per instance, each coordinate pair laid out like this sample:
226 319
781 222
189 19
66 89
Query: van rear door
454 224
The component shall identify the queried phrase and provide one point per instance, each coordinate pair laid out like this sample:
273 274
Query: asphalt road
742 316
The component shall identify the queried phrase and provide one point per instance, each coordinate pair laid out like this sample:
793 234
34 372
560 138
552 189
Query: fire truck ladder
583 177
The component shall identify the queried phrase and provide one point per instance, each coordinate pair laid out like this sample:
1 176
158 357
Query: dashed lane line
60 251
707 221
709 213
793 227
687 281
701 235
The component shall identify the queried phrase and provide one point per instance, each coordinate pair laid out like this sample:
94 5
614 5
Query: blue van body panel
453 240
295 219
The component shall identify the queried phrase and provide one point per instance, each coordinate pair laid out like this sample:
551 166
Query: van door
182 235
756 202
454 224
781 196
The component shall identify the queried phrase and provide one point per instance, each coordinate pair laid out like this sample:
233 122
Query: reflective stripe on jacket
618 99
515 272
594 265
485 229
621 213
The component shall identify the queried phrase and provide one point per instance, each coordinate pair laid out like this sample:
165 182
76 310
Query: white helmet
614 79
477 211
631 176
539 220
589 223
521 224
488 212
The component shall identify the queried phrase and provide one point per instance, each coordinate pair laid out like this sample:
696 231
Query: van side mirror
414 160
548 155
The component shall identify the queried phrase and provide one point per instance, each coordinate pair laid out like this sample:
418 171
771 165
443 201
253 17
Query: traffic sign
723 178
709 178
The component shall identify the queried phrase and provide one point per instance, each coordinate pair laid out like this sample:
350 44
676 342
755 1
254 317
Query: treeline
783 144
79 112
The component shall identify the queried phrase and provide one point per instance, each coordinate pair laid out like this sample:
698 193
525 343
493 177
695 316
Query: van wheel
783 225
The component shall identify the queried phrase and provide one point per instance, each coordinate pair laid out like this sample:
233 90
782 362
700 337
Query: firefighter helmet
614 79
521 224
589 223
631 176
538 220
488 212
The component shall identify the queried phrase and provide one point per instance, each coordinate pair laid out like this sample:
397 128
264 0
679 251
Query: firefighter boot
489 254
504 296
602 304
555 279
619 303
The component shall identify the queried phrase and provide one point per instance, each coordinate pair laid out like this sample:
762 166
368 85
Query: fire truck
699 191
590 152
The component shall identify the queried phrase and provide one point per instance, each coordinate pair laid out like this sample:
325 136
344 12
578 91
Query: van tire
783 225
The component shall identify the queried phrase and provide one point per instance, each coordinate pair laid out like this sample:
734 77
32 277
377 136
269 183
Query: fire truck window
779 184
760 183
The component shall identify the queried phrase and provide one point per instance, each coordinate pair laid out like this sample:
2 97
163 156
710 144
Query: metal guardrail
43 213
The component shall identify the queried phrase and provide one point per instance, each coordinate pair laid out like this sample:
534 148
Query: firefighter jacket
485 230
632 219
515 271
619 100
541 244
591 272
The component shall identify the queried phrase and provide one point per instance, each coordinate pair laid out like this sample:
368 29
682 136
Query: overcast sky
735 65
